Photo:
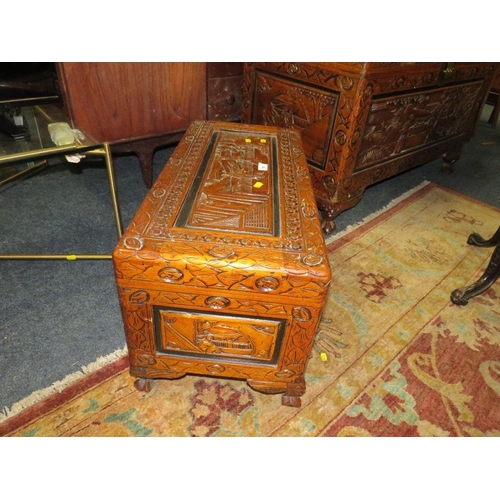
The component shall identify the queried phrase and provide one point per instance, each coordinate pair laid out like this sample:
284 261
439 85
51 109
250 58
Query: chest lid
234 198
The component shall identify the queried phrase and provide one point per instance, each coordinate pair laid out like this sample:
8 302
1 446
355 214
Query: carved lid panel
235 187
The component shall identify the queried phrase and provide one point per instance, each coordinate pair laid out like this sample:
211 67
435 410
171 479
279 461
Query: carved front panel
212 336
169 334
288 103
402 124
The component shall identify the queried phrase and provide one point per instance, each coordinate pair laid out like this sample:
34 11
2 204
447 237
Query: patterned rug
393 356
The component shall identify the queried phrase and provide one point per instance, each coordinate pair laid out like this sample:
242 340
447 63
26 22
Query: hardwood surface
223 270
139 107
364 122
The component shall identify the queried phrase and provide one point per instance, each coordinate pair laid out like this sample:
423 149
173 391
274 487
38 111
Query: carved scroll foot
449 159
143 384
329 209
328 226
293 392
461 296
328 214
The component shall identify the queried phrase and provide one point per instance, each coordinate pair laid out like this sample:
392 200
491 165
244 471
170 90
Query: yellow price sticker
258 184
323 356
70 257
248 140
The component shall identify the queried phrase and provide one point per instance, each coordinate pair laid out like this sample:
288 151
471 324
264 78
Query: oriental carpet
393 356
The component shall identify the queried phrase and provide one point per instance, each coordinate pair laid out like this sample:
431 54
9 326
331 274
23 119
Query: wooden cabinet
138 107
364 122
224 83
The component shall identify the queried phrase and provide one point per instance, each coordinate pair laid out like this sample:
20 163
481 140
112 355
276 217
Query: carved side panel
317 99
402 124
287 103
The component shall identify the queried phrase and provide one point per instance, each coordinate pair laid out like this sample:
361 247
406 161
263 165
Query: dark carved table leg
478 241
144 149
145 157
461 296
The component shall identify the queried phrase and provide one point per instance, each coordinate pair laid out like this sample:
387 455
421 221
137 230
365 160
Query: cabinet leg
145 149
143 384
146 163
327 217
449 159
330 209
293 392
328 226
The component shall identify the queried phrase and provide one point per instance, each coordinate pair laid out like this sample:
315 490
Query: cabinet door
115 101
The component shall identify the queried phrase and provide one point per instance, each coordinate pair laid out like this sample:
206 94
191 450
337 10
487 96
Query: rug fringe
372 216
60 385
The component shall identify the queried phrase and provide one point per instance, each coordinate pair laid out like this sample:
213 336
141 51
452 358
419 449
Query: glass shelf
38 143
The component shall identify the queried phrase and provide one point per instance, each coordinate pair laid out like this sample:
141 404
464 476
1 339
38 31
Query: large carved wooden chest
364 122
223 270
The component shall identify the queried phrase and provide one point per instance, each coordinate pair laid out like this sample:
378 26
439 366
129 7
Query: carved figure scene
305 109
232 337
237 186
398 125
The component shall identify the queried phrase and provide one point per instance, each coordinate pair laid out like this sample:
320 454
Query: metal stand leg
27 170
104 151
112 186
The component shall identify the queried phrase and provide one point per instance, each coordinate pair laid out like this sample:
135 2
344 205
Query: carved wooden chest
223 270
364 122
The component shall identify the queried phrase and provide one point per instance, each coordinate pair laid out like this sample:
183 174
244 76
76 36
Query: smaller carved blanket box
223 271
